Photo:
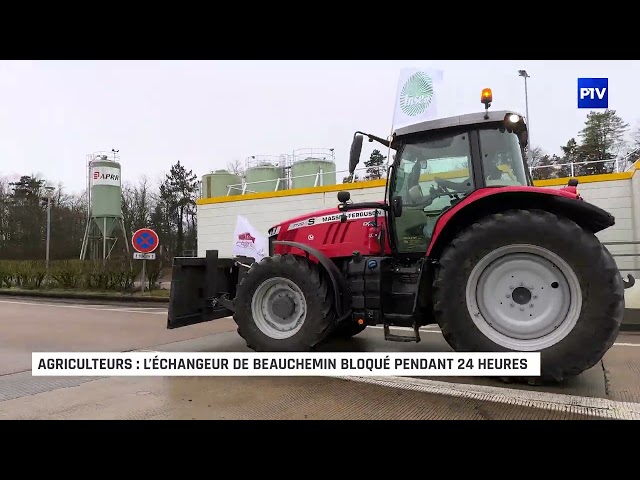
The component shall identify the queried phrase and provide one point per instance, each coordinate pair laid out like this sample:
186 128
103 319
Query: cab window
502 159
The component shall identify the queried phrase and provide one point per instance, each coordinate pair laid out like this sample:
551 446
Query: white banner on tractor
416 96
249 242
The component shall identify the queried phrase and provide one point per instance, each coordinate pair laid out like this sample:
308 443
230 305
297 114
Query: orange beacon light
487 96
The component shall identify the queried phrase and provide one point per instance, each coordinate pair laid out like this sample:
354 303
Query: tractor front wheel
283 305
530 281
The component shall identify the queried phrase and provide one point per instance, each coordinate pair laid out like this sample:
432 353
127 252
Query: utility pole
49 192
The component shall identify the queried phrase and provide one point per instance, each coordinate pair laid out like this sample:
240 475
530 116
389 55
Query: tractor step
391 337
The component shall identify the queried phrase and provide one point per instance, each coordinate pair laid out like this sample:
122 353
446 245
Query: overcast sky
208 113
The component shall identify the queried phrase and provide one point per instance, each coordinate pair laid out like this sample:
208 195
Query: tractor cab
440 162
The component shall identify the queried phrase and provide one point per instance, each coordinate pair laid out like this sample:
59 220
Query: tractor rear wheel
283 304
528 280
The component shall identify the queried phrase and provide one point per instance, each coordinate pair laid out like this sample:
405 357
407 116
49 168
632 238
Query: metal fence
572 169
342 176
634 255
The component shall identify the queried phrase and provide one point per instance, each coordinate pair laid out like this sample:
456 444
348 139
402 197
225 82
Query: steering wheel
446 184
428 199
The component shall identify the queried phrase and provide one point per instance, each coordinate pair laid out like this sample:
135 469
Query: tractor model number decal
334 218
274 231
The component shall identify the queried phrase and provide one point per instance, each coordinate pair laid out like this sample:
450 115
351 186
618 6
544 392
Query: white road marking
143 310
598 407
163 311
431 329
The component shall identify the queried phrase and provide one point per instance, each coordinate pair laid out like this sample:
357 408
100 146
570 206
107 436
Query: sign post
144 241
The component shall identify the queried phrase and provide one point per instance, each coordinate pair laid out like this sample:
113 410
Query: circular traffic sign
145 240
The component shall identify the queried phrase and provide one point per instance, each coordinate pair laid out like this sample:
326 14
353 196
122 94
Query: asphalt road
609 390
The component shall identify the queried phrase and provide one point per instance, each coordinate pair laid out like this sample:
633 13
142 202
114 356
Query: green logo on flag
416 94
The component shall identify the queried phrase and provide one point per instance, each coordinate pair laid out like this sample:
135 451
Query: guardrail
631 320
319 178
626 254
617 165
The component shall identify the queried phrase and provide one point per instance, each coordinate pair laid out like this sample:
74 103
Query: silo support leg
124 233
126 242
83 250
104 240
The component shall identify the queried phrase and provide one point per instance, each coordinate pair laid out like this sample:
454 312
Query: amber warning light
487 96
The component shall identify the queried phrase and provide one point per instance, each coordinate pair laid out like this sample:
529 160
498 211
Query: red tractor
462 240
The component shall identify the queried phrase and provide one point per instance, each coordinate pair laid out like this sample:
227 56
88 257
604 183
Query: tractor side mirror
397 206
343 196
354 155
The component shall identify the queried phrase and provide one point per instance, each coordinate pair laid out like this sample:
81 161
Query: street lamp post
525 75
49 191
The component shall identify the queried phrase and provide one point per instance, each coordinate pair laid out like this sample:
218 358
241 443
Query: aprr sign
105 176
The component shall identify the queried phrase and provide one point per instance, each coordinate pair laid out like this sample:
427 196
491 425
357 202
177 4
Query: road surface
609 390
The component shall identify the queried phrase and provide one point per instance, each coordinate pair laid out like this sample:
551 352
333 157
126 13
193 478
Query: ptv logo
593 93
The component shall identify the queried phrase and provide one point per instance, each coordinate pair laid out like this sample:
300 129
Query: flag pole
393 117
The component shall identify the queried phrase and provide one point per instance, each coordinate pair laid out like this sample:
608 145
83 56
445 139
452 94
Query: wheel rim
524 297
279 308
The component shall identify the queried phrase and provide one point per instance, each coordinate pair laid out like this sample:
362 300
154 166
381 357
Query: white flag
416 96
248 242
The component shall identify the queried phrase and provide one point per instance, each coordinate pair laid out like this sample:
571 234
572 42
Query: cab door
430 176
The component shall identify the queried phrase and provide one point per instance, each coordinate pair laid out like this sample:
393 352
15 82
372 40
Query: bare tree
236 167
534 156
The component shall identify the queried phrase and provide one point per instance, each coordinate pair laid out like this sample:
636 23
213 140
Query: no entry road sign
145 240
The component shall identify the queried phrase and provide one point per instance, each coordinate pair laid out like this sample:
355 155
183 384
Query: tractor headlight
513 118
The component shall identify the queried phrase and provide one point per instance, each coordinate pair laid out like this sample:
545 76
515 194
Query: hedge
113 275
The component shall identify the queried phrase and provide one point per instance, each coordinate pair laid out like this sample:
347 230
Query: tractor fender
490 201
338 282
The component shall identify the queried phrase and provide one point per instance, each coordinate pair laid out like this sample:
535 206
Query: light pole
49 191
525 75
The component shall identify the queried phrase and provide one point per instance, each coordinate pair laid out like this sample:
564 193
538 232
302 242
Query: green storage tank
313 166
216 184
268 176
106 194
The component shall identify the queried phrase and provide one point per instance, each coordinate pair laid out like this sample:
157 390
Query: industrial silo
266 175
106 194
220 184
310 172
105 207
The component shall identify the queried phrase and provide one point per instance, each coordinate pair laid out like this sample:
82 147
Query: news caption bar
233 364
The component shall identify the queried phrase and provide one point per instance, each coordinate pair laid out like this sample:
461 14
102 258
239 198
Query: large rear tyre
530 281
283 305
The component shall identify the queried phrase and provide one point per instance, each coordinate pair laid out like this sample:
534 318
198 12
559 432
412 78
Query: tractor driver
415 191
416 194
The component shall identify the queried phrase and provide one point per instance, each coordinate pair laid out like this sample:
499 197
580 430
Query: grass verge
157 296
